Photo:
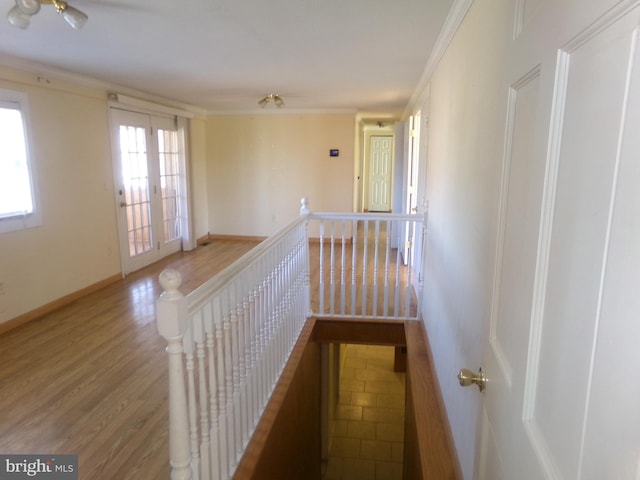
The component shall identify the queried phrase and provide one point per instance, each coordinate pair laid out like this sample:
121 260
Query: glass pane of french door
135 180
170 171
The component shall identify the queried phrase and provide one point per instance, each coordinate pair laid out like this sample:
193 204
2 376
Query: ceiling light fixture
20 14
277 100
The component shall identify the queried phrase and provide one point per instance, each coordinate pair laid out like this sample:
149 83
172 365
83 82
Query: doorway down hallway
367 439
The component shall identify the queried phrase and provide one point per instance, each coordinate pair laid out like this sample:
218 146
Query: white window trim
33 219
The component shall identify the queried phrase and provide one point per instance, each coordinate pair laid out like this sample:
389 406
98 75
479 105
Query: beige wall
198 166
77 244
258 168
248 174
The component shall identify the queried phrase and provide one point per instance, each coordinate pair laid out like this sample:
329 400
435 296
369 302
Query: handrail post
304 206
304 212
423 254
171 321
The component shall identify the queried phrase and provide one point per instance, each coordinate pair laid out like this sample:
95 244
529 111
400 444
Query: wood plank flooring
91 378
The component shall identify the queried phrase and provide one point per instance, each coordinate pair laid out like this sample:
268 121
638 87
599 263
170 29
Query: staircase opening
367 392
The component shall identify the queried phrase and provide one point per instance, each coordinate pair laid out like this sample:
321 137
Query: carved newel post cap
170 281
304 206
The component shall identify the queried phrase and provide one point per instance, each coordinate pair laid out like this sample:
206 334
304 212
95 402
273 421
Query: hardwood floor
91 378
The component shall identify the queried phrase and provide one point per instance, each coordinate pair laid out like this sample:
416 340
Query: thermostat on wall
334 152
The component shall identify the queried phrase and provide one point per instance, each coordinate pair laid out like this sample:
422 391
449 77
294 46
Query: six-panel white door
562 399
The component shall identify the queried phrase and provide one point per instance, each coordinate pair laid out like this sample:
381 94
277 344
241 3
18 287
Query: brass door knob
124 204
467 377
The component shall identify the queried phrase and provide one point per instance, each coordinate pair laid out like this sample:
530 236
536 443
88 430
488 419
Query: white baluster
260 342
410 254
235 378
171 320
321 270
253 351
387 251
260 324
191 401
203 400
228 375
245 362
423 256
222 393
332 283
255 384
342 269
396 290
376 245
354 258
304 238
365 241
213 392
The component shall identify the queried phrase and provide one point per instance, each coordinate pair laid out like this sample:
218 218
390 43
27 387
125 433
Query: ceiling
225 55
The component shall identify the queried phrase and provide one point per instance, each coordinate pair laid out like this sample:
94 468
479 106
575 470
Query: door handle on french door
467 377
124 204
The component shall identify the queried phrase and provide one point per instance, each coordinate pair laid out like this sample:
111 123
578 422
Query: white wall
259 167
466 122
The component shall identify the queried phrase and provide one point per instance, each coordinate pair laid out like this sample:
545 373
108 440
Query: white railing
229 340
362 265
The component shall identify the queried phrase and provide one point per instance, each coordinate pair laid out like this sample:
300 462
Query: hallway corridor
368 430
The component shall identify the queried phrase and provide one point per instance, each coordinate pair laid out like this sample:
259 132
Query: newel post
304 206
171 320
304 212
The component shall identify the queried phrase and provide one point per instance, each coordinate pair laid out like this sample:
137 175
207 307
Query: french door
149 172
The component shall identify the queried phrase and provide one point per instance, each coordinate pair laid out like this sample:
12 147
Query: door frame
185 242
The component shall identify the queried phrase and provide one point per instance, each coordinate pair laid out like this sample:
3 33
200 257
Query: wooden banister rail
429 451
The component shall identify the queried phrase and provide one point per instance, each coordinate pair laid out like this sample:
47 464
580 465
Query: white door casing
562 399
412 187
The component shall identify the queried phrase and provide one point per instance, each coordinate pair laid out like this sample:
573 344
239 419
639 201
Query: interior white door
380 165
148 167
412 187
562 401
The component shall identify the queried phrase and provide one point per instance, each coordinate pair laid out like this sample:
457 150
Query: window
18 205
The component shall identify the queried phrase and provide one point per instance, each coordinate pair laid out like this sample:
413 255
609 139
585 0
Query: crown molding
451 24
48 74
285 111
